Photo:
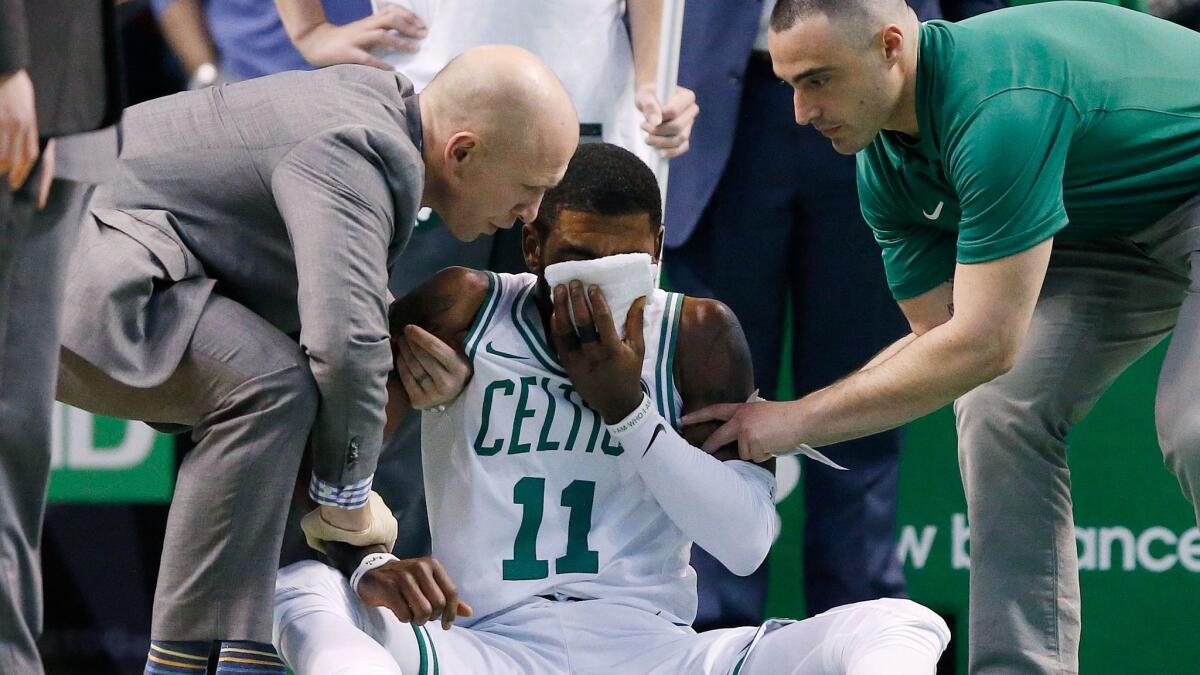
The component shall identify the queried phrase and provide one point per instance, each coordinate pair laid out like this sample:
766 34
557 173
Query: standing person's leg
1103 305
34 247
1177 405
844 315
247 394
738 255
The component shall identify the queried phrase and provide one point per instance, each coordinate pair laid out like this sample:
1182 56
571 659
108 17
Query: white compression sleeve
725 507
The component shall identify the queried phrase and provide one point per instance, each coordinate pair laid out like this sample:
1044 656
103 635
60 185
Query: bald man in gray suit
232 282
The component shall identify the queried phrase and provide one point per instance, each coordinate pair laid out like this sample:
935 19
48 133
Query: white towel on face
623 278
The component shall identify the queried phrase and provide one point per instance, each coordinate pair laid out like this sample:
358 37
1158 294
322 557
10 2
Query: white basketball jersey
524 485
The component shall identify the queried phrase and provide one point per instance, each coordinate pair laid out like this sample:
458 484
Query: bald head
499 130
506 92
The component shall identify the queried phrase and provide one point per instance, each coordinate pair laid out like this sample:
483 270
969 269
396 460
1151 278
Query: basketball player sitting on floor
562 500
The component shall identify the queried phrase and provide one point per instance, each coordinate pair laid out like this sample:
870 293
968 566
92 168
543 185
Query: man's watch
205 75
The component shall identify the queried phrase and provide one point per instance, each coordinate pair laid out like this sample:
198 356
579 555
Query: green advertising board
99 459
1139 548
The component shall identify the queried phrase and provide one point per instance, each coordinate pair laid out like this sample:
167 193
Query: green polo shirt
1069 119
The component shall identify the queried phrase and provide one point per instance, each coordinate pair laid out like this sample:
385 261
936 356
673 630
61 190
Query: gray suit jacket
291 194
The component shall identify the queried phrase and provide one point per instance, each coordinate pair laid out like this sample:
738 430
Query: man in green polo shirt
1031 176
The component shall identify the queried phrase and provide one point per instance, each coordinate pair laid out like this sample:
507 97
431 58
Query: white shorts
322 628
541 637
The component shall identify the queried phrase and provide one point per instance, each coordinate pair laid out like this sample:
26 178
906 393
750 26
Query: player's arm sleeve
338 208
727 507
1007 163
14 40
916 257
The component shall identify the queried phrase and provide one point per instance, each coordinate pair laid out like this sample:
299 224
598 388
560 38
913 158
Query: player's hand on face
605 369
416 590
761 429
431 372
668 127
392 28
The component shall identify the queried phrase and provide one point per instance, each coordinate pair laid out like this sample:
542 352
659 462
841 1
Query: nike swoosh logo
492 350
937 213
657 430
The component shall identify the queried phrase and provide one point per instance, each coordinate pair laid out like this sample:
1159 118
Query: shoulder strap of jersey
664 364
525 320
487 312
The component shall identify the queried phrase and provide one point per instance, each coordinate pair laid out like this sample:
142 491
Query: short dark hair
788 12
606 180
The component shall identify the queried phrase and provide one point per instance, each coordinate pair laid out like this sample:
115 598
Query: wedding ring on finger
587 333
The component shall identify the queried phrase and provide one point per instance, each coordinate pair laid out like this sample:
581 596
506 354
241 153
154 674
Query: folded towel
623 278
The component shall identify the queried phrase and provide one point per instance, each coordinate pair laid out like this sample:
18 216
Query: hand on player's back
605 369
416 590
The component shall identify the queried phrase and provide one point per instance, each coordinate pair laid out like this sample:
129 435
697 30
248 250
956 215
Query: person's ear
462 149
531 247
658 244
892 41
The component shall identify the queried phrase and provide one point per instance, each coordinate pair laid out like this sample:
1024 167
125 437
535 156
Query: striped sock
249 657
168 657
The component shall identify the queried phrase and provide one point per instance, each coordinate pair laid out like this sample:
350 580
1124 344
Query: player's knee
915 624
303 588
1179 438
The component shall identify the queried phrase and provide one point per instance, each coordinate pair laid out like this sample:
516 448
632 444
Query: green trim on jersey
737 668
664 392
424 667
674 317
437 668
487 309
532 335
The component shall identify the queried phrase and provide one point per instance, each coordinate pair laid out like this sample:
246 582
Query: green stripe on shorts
424 669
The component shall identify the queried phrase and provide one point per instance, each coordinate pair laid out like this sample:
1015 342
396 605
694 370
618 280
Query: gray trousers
245 392
1104 304
34 247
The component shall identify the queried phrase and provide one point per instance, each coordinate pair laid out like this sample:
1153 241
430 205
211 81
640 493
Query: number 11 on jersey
530 493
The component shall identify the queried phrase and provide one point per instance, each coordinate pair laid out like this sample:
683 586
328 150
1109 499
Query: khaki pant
1104 304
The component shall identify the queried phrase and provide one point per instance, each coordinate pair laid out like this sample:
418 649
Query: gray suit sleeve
338 207
14 36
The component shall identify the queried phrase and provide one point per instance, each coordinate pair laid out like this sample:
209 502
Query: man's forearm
645 26
890 351
299 17
924 374
397 405
183 26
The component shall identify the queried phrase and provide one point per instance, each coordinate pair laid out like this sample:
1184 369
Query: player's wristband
633 420
370 562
